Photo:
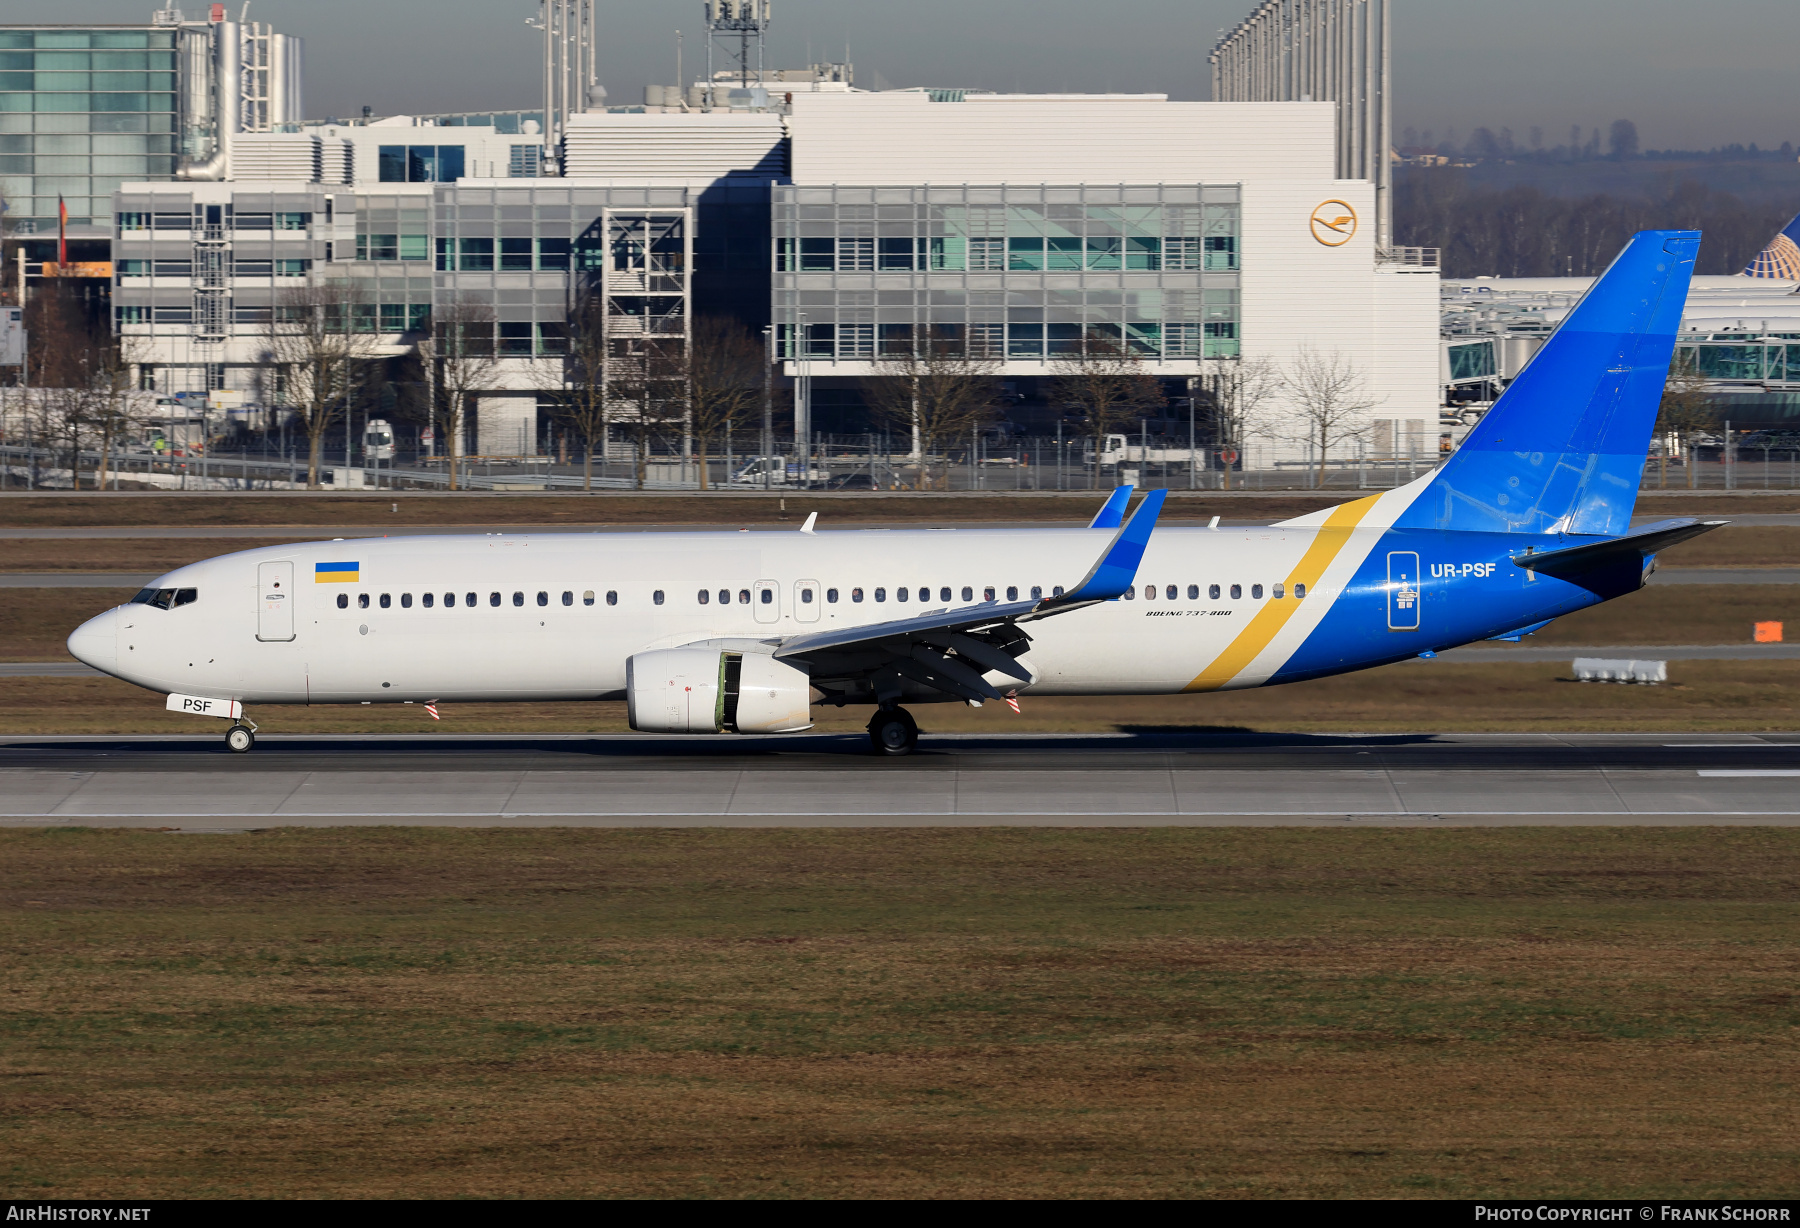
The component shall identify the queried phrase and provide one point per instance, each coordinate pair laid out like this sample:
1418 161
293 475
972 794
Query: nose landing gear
240 738
893 732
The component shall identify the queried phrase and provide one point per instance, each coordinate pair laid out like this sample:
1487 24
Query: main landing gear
240 738
893 732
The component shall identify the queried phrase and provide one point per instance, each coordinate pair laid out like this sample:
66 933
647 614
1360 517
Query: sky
1689 75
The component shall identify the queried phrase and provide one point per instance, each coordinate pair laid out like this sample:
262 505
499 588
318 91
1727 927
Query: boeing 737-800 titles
743 632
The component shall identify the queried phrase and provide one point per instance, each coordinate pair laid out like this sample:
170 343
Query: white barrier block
1612 669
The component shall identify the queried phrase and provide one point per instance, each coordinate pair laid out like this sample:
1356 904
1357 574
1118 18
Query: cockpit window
166 598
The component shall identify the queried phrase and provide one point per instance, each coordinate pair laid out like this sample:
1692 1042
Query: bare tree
1329 397
725 374
577 380
1685 411
460 362
312 339
932 387
1242 390
1108 381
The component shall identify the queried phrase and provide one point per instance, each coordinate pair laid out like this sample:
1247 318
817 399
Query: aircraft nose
96 642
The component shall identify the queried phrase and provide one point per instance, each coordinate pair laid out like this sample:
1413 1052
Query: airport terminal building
1194 233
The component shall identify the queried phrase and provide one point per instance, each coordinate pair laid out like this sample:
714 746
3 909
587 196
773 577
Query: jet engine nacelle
705 690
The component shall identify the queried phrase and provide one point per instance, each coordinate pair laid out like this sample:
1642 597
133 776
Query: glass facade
1021 272
81 111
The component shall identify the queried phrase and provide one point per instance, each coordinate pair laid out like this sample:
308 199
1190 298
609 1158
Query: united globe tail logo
1333 223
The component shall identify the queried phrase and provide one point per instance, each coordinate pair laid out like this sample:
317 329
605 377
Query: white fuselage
556 616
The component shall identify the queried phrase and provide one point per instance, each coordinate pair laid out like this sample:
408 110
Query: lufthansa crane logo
1333 223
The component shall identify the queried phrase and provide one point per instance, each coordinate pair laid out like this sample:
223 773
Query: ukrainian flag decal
336 573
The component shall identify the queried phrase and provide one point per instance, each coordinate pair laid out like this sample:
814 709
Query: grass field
990 1013
26 510
1438 695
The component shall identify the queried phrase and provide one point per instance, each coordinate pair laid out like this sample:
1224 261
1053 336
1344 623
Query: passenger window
1212 590
856 595
1193 592
1237 592
881 594
944 595
1131 594
1278 592
1256 592
428 600
568 597
470 601
724 596
806 596
612 598
1172 592
831 596
343 601
493 599
543 598
1012 592
1057 591
1299 590
518 599
968 594
1037 592
657 597
987 594
406 601
768 596
705 597
449 600
587 597
362 601
743 596
386 601
1149 592
900 595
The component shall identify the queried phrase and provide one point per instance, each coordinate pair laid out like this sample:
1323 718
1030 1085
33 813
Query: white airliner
744 632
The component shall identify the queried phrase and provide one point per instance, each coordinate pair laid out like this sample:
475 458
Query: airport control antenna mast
571 78
731 27
1322 51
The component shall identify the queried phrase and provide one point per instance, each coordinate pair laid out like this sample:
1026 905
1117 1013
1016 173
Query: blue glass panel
421 163
391 160
450 163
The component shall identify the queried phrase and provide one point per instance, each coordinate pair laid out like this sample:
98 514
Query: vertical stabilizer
1562 450
1781 258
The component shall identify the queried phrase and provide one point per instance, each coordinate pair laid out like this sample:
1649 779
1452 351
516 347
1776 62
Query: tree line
1522 232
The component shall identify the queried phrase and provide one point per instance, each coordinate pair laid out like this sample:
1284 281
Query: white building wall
697 147
905 138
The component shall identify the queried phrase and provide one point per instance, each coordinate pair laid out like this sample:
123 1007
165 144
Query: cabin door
275 602
806 601
1403 591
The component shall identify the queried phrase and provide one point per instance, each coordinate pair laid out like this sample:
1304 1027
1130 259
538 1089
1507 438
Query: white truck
1119 450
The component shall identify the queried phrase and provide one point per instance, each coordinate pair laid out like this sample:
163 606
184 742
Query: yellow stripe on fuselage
1327 541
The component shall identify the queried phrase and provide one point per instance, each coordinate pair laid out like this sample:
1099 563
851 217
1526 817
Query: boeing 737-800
743 632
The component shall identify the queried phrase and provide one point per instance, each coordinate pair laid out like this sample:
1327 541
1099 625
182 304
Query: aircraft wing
950 649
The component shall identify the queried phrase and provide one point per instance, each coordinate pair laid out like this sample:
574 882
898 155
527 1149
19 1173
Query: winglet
1112 513
1116 571
811 520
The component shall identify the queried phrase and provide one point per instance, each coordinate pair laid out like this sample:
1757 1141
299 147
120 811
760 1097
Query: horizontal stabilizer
1591 556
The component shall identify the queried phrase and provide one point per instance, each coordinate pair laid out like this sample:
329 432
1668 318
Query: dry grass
1750 546
35 622
614 508
989 1013
1438 695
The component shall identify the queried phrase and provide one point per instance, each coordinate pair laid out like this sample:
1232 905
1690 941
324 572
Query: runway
192 784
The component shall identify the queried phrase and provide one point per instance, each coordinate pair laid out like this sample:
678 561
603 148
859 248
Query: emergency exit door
1403 591
768 601
275 602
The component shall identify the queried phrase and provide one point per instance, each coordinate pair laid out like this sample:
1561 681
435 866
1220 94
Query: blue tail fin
1781 258
1562 450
